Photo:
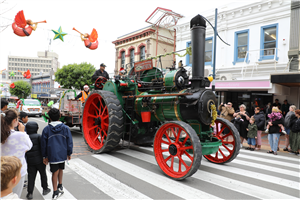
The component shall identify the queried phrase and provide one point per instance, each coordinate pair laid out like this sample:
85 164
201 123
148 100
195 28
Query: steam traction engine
149 106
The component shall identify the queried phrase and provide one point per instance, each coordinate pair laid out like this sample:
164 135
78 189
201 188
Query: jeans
251 141
273 141
287 130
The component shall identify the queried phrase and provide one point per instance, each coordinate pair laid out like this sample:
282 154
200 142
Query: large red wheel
177 150
99 82
102 121
230 147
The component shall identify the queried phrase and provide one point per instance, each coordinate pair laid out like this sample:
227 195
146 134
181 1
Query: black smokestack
198 28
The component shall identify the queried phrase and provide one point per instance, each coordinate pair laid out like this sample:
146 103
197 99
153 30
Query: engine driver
100 73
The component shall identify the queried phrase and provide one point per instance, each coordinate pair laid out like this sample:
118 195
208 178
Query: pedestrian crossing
134 174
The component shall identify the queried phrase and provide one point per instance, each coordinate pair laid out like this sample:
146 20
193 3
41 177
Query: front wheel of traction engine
102 121
177 150
230 148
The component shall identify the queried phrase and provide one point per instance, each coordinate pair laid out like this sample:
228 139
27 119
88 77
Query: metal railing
254 57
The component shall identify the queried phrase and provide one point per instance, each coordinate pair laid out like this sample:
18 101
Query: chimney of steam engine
198 28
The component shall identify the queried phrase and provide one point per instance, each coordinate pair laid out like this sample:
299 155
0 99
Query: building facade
258 34
45 62
141 44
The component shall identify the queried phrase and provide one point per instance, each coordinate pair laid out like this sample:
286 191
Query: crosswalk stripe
278 157
252 164
66 195
160 181
104 182
225 182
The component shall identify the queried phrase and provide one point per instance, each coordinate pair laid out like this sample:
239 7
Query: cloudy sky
111 19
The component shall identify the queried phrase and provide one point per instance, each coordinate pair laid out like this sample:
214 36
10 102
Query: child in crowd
252 134
23 119
275 116
237 121
10 176
34 160
57 146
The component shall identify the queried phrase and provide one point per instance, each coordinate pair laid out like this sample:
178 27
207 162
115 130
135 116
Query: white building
259 38
43 63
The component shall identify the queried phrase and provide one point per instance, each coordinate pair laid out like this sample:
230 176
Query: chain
188 51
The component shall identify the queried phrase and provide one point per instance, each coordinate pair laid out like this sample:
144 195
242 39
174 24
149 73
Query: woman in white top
14 143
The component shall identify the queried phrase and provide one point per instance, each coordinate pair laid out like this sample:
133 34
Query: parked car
32 107
11 105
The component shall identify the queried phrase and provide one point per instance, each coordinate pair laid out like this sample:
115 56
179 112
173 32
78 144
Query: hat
86 86
102 65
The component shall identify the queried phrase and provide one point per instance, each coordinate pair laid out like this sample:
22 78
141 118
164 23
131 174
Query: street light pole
214 52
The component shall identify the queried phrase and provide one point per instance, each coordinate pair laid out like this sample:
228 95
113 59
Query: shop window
241 46
132 57
268 44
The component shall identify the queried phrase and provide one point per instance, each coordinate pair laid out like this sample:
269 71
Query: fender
20 31
91 45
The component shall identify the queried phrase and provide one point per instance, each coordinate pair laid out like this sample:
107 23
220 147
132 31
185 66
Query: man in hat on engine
100 73
83 94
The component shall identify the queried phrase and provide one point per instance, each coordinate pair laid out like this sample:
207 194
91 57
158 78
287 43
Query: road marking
157 180
66 195
104 182
228 183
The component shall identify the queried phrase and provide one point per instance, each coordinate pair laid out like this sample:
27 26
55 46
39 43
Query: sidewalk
265 143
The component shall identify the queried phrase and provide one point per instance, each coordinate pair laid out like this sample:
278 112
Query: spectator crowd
276 121
24 151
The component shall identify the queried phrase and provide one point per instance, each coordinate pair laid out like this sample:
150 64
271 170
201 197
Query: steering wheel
99 82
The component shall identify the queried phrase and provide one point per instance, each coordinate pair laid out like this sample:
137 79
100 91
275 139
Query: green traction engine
166 109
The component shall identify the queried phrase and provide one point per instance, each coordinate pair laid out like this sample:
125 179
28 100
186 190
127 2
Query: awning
288 79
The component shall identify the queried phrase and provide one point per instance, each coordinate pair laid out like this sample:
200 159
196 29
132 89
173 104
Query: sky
111 19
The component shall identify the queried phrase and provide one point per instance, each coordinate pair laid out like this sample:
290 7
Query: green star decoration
11 74
59 34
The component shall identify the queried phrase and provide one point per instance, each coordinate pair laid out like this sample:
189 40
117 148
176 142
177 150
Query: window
208 52
268 45
142 53
241 46
3 75
132 57
122 58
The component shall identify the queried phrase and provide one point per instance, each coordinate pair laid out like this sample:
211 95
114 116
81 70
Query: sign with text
34 96
143 65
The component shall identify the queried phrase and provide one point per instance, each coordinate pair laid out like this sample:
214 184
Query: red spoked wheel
177 150
99 82
102 121
230 138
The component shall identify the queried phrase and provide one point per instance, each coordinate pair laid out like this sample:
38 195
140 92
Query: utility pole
214 52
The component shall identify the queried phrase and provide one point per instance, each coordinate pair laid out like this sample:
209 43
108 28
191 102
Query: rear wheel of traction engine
177 150
230 142
102 121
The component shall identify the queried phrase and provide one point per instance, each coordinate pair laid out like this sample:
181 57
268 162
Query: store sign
242 84
34 96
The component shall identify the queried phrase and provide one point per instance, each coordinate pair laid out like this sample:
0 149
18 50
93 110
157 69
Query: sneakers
285 149
29 196
283 132
60 188
252 149
46 191
267 131
56 194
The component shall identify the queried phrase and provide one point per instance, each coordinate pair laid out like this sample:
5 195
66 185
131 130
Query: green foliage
22 89
75 76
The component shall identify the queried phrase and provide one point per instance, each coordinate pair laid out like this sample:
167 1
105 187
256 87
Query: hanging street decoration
90 40
59 34
11 74
20 23
12 86
26 74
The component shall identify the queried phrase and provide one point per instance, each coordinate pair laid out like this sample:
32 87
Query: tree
75 76
22 89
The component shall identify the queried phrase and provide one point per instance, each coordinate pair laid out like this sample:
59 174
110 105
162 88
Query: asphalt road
133 174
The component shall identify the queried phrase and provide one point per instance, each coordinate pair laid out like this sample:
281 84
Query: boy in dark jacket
57 146
252 134
35 161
